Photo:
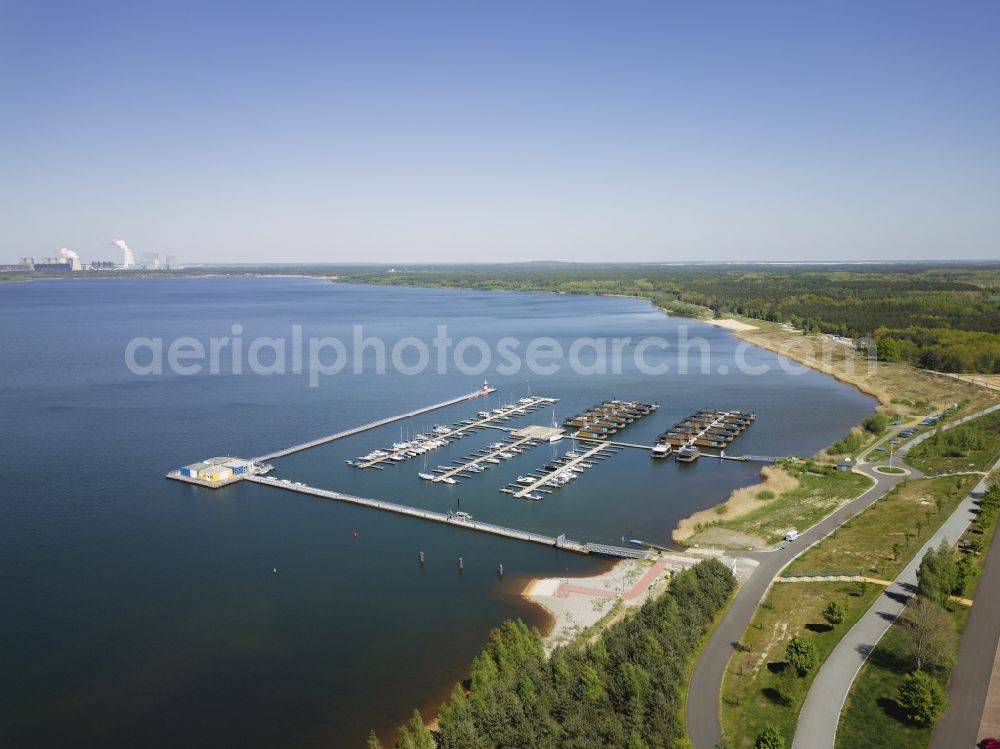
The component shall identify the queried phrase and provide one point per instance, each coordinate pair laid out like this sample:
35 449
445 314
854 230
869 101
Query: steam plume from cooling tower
128 259
72 258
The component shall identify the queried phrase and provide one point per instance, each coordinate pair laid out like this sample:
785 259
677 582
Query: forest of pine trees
623 690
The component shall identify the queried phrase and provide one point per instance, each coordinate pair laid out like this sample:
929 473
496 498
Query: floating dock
705 428
608 417
548 476
494 453
434 440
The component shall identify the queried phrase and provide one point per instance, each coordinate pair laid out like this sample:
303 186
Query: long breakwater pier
452 519
482 392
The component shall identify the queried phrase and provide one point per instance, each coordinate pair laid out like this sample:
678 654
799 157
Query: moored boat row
608 417
703 428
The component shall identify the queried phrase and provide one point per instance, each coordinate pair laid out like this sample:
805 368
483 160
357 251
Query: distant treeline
624 690
941 318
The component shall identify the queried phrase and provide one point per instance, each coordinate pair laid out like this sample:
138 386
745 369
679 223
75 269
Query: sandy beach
578 603
731 324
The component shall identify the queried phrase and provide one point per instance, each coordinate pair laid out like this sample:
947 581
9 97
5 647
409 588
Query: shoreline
797 356
562 618
583 606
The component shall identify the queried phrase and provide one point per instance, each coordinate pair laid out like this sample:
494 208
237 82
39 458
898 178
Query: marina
220 545
594 426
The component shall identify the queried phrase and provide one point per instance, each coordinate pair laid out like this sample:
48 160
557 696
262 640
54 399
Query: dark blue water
143 612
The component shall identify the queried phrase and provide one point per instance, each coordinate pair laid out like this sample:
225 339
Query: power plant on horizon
68 261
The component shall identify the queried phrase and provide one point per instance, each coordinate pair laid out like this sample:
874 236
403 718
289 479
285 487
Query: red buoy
355 534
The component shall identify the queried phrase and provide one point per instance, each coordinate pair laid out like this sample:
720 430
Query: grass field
864 545
750 698
816 496
900 388
871 718
933 457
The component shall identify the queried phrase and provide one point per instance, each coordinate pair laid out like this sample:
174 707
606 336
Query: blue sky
450 131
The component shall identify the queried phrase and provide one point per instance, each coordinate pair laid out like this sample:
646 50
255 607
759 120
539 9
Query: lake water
144 612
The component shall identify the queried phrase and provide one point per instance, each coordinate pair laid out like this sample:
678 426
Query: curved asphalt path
820 714
817 723
706 680
705 688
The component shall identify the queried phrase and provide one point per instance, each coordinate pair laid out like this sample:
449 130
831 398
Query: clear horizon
445 133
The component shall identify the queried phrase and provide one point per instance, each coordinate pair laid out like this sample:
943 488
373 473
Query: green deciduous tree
888 349
922 698
937 574
834 612
801 654
769 738
965 573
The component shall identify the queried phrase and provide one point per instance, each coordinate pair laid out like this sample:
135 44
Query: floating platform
539 433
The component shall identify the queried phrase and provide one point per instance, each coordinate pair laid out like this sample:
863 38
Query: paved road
704 691
706 681
817 726
970 679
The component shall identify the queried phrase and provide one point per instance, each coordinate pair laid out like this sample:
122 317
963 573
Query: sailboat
424 473
555 436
